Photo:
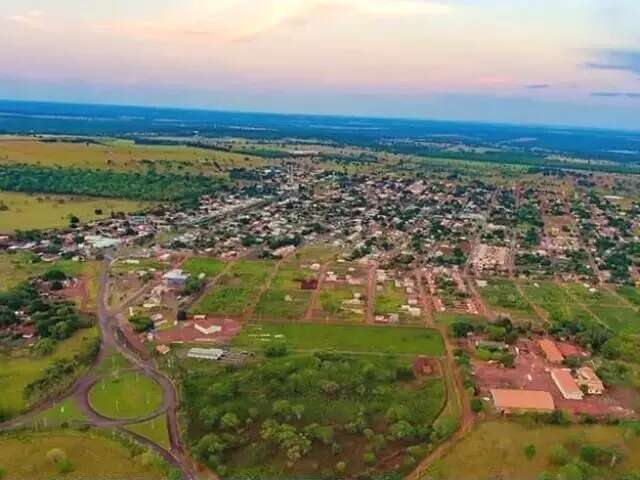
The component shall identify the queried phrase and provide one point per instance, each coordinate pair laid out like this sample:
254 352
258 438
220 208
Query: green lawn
352 338
211 267
495 449
42 211
125 395
155 430
20 367
24 456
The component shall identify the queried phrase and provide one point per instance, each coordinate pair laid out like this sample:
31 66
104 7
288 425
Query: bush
369 458
276 350
141 323
65 466
476 405
558 455
341 467
530 451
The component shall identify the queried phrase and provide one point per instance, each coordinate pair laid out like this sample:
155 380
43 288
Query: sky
569 62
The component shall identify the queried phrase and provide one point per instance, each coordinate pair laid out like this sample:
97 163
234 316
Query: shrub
65 466
558 455
530 451
341 467
276 350
56 455
476 405
369 458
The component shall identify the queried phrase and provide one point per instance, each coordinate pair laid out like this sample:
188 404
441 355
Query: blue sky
570 62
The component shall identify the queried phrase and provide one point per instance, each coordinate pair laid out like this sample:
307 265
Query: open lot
237 290
155 430
342 296
495 449
502 296
552 298
375 340
27 211
91 455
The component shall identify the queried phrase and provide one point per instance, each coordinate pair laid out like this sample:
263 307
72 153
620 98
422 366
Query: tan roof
565 382
551 350
522 399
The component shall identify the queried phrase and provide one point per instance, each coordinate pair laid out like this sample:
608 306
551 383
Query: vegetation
128 394
347 338
305 415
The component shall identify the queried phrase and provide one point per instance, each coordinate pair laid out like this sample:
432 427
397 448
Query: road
176 456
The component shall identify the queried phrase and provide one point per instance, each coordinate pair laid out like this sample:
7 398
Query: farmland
25 211
359 339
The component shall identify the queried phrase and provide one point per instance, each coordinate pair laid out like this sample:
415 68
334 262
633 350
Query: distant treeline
103 183
528 160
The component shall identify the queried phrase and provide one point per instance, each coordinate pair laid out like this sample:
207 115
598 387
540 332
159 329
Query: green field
348 338
503 296
42 211
285 300
211 267
125 395
237 290
390 299
496 450
20 367
16 268
66 411
24 456
155 430
556 302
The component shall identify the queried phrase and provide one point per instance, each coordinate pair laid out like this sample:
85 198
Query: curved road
80 390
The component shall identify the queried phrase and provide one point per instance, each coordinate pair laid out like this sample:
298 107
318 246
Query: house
175 278
566 384
206 327
514 401
551 351
588 378
205 353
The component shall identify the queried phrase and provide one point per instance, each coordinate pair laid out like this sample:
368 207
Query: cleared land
26 211
24 456
347 338
496 450
20 367
125 395
236 290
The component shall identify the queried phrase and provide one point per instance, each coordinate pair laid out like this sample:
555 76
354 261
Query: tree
401 430
461 329
54 274
476 405
44 346
229 421
141 323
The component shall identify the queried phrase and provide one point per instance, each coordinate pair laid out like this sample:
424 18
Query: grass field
211 267
125 395
502 296
495 450
122 155
24 456
20 367
390 299
15 268
556 301
66 411
333 307
632 294
42 211
285 300
155 429
349 338
237 289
